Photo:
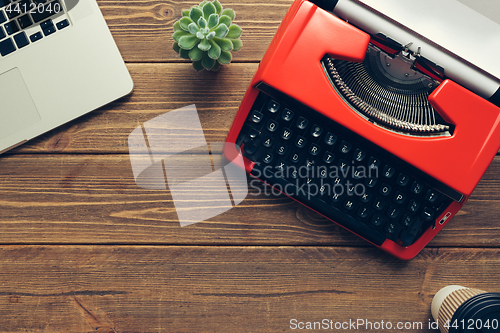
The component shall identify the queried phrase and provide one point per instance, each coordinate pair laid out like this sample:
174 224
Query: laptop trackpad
17 109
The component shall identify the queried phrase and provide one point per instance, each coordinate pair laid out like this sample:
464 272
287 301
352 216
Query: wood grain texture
143 29
224 289
94 199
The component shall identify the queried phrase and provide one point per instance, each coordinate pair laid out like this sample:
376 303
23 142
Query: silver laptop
58 61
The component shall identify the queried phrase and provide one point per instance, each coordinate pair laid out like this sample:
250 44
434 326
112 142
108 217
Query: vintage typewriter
368 122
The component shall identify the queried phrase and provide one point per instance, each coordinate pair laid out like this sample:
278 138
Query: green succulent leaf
233 32
225 44
195 54
215 50
208 9
216 67
188 42
202 23
211 35
213 21
207 62
185 22
200 35
176 47
193 28
198 66
178 34
185 12
218 6
226 20
204 45
229 12
184 54
237 44
202 4
225 57
195 14
221 30
177 26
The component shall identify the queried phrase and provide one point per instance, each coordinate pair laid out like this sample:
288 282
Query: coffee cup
458 309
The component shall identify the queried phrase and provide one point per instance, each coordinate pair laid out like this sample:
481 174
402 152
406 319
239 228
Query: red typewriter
365 127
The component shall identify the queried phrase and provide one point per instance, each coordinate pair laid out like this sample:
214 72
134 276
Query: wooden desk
84 249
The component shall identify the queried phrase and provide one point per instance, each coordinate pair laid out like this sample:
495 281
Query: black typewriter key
385 189
351 189
302 123
431 196
377 220
408 236
328 157
287 115
323 190
417 188
338 181
399 198
316 131
403 179
295 158
388 171
322 172
268 158
272 126
393 212
363 212
253 133
293 172
427 214
314 150
256 116
345 147
413 206
282 149
373 163
343 166
330 139
365 197
359 155
273 106
250 147
309 164
349 204
280 169
407 220
358 174
268 143
379 204
336 197
371 182
300 142
286 133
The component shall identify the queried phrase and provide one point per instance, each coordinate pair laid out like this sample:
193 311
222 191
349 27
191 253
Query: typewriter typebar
362 131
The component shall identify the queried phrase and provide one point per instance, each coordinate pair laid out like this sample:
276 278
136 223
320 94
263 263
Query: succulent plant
206 35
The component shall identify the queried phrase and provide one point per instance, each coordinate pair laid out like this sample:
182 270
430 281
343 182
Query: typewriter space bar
323 208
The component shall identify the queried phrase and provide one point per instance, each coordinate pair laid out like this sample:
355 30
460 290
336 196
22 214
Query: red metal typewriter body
292 66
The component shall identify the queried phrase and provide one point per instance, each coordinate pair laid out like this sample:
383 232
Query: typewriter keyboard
340 174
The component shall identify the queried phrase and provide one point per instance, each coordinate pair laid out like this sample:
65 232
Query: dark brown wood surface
84 249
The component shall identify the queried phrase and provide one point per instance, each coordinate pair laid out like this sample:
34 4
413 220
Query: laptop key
36 36
48 27
6 47
21 39
11 27
48 10
63 24
2 34
4 3
24 21
3 18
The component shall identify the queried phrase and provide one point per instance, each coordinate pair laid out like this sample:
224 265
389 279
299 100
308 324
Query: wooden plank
94 199
159 88
143 29
225 289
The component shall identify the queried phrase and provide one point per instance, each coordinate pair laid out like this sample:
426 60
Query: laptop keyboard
340 174
28 21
